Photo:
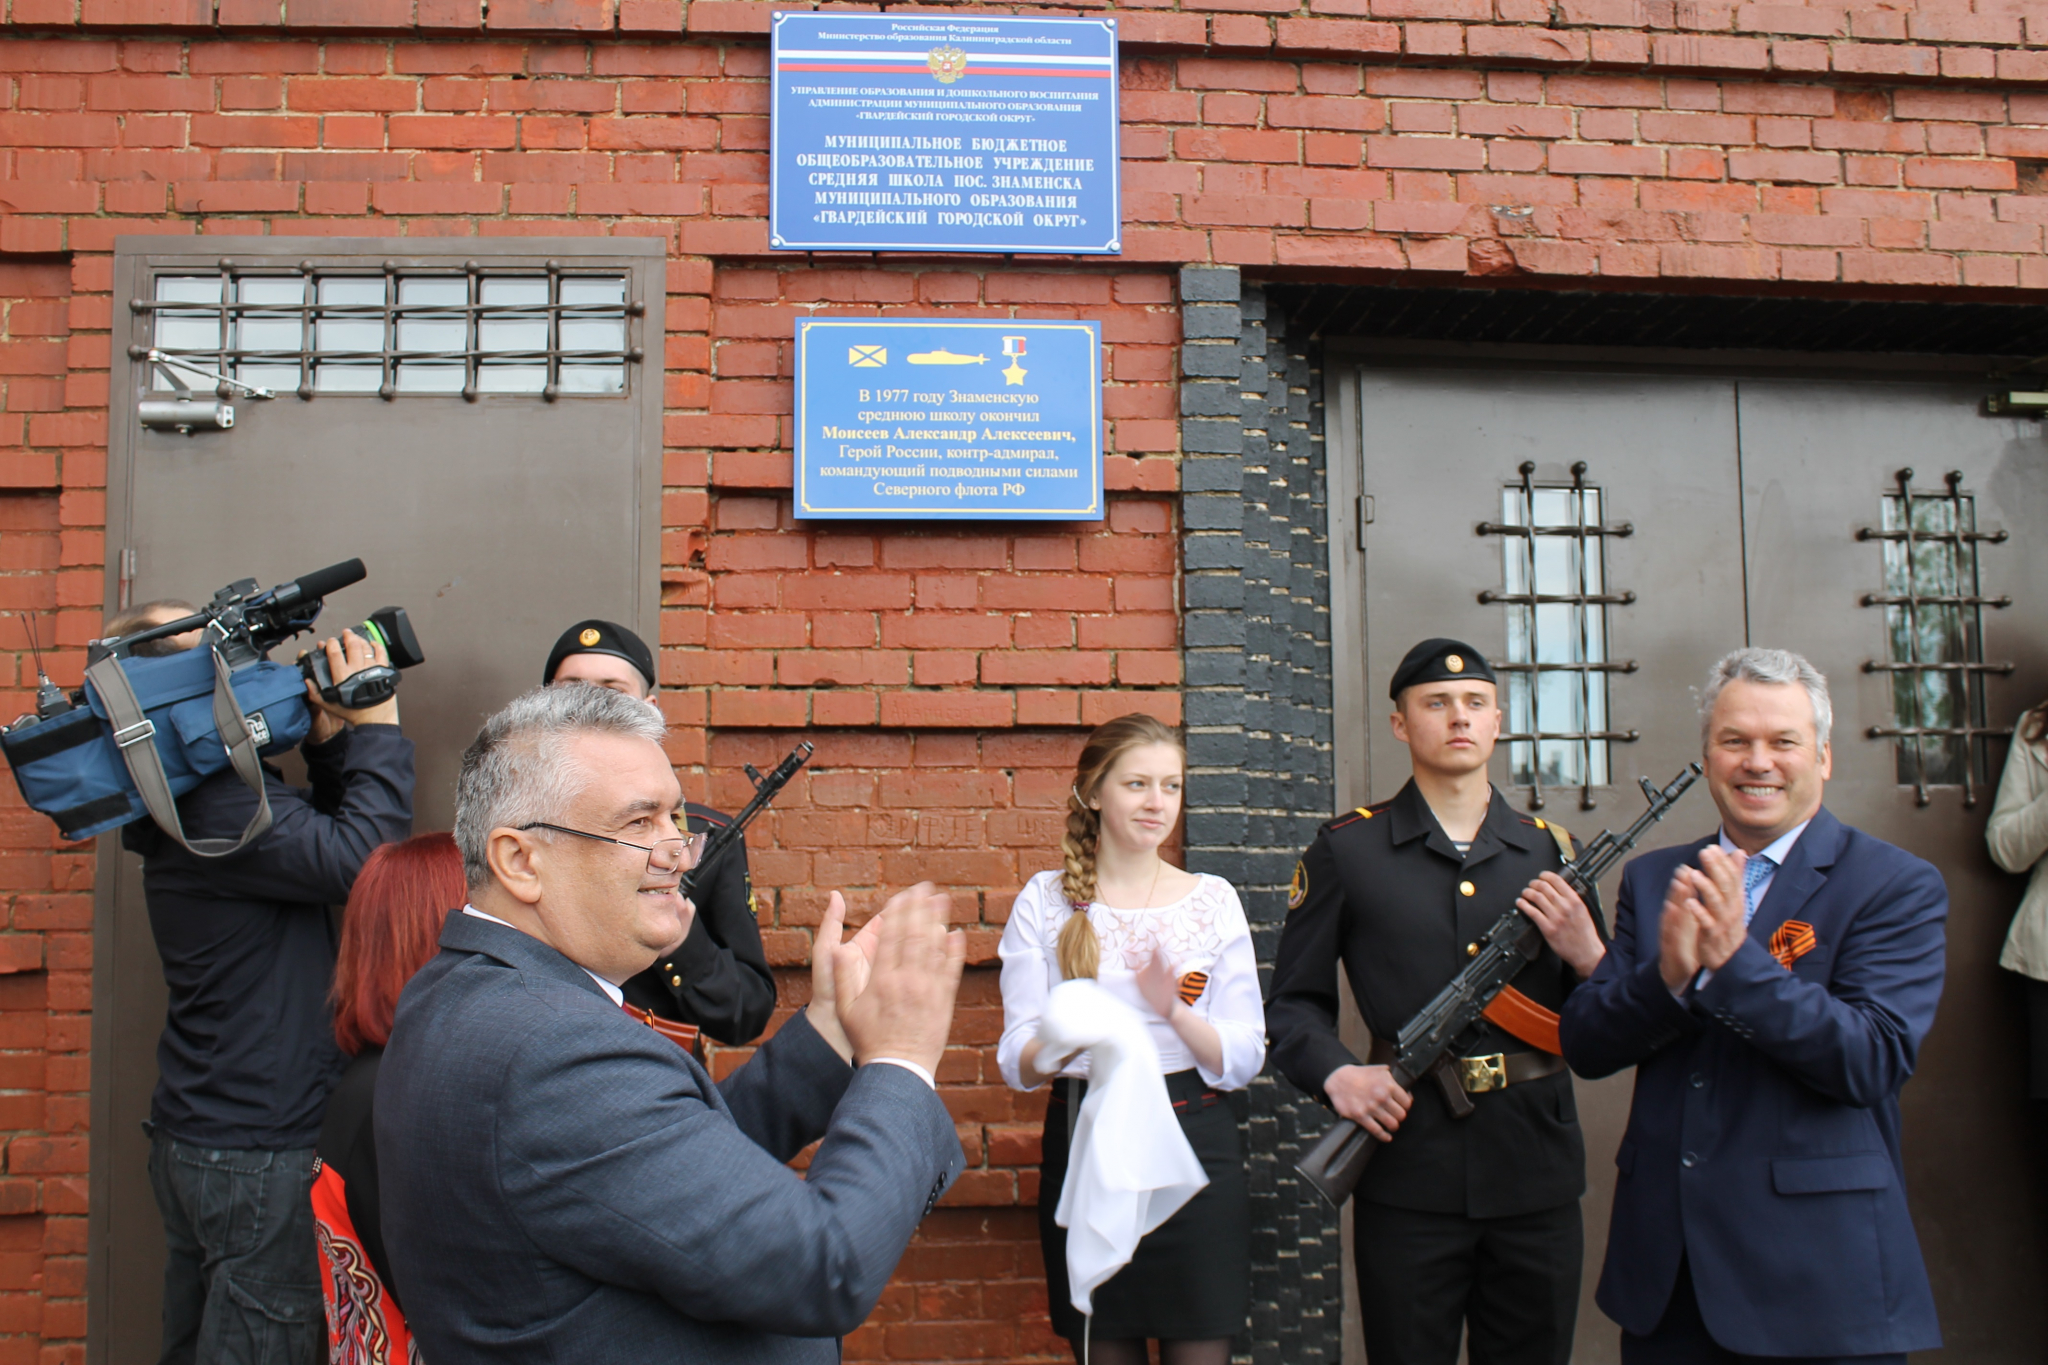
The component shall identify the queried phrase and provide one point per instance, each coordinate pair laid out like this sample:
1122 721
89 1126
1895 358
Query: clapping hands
1704 919
888 991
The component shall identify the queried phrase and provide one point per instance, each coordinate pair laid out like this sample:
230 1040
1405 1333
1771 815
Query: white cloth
1203 931
1143 1170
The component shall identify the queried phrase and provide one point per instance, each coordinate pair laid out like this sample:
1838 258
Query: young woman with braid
1175 947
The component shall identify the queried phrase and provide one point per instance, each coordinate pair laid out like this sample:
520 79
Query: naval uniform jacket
1384 890
718 979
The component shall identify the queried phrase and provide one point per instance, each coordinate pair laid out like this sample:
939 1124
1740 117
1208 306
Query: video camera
145 729
245 624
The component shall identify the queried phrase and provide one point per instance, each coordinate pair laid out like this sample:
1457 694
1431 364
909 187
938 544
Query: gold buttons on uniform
1472 949
675 981
1467 889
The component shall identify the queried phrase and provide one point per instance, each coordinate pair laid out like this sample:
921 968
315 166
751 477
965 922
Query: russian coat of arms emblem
949 64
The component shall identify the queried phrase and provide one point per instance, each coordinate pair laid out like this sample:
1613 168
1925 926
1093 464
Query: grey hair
1776 667
519 770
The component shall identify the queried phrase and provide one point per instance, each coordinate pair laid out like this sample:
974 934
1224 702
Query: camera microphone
321 582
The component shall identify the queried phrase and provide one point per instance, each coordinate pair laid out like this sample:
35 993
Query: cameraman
717 977
247 1054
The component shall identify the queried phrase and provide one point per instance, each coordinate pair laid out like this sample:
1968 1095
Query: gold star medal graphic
1013 347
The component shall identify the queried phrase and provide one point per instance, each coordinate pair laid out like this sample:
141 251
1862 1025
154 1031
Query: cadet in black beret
1437 660
717 978
1463 1228
589 648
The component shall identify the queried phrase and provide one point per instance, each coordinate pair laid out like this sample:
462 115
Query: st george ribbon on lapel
1791 941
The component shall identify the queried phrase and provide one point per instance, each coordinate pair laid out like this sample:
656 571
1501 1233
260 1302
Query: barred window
1934 635
1556 597
414 331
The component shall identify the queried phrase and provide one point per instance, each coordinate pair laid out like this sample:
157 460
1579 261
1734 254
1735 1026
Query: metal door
1702 512
1637 505
475 421
1824 490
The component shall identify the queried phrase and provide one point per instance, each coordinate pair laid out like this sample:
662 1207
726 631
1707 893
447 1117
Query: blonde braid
1080 954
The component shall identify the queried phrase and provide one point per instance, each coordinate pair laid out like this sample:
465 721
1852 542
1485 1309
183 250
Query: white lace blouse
1203 931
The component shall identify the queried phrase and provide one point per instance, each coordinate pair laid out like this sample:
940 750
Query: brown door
1676 516
475 423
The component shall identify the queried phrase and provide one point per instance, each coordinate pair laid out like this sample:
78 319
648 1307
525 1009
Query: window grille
392 331
1934 635
1554 570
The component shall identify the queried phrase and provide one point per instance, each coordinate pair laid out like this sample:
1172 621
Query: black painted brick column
1256 662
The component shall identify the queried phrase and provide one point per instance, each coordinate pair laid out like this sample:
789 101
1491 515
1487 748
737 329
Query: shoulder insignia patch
1354 816
1297 890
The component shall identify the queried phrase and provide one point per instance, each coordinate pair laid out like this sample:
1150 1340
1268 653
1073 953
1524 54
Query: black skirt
1190 1278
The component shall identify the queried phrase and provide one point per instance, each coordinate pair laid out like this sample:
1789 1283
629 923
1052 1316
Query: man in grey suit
561 1182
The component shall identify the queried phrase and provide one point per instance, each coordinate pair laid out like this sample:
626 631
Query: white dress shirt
618 997
1205 931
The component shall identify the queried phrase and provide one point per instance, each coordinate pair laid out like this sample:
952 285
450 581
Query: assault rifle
1336 1163
765 790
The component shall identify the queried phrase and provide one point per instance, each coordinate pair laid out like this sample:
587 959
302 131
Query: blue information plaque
942 132
928 419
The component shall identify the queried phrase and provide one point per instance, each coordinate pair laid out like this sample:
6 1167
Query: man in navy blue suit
1771 984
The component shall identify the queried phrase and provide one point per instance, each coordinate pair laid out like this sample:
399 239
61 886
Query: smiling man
715 977
562 1183
1771 984
1465 1229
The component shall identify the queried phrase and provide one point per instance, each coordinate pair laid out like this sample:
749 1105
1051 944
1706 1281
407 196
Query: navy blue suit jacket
1763 1143
562 1183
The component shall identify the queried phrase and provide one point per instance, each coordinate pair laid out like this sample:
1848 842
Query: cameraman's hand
347 655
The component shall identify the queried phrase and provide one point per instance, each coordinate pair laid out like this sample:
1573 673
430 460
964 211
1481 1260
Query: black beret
1435 660
601 637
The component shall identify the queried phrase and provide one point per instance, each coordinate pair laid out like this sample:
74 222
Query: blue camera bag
151 730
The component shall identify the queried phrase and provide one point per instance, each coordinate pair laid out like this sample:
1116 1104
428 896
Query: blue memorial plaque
921 418
939 132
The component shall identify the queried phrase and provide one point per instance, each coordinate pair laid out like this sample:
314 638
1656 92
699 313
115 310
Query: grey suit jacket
562 1183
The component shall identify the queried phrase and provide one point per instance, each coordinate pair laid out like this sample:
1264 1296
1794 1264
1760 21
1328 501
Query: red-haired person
391 929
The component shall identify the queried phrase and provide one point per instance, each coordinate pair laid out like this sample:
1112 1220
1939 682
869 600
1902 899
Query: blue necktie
1753 873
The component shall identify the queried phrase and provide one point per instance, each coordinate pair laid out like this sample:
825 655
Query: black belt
1488 1071
1185 1089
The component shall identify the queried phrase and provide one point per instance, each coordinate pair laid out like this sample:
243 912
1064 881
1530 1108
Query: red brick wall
946 676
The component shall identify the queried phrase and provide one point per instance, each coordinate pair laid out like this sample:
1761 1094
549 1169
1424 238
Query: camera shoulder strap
135 736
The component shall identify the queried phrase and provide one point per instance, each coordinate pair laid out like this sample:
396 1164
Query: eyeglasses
663 856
